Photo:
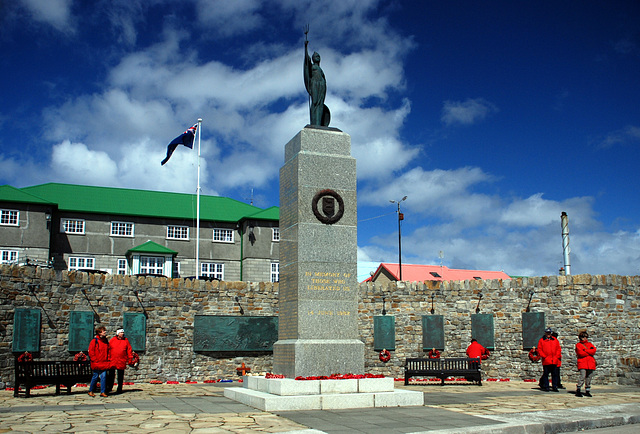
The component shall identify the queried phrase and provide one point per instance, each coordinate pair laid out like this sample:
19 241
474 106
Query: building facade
126 231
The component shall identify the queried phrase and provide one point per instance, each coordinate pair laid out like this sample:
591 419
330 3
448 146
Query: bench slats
53 372
443 368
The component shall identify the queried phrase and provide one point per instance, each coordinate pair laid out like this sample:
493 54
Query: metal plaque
234 333
135 329
327 212
80 330
432 332
26 330
532 329
482 329
384 332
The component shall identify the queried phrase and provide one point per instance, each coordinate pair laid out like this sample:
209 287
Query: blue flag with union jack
185 139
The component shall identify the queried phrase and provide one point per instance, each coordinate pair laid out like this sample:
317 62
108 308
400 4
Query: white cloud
229 18
75 163
625 136
56 13
466 112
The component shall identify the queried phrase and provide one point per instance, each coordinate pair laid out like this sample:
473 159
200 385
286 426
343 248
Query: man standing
121 353
585 351
99 355
551 354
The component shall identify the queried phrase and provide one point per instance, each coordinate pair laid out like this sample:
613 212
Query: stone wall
607 306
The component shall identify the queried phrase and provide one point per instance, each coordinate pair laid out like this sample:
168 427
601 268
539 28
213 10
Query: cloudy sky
491 117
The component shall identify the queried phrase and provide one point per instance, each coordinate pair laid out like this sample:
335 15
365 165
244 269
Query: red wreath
534 356
134 360
434 354
25 357
80 357
384 356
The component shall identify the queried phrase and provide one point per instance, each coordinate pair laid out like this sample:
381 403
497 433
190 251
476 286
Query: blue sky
491 117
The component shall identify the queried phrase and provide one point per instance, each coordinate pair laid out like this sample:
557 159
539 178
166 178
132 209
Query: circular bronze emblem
328 214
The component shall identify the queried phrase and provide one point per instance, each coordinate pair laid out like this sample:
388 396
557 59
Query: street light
400 218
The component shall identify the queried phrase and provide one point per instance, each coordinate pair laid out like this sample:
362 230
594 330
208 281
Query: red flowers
270 375
80 357
340 377
26 357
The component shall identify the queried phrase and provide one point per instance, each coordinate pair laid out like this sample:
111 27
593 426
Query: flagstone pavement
202 408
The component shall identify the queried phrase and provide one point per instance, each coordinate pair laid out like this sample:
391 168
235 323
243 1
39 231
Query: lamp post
400 218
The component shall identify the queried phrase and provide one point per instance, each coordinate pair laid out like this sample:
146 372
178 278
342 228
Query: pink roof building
387 272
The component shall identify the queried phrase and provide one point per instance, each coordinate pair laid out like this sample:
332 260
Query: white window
8 256
9 217
275 272
76 263
178 232
122 266
121 229
211 269
275 234
223 235
70 226
151 265
176 269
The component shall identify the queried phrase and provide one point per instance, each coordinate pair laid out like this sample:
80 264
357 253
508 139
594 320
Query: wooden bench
443 369
41 373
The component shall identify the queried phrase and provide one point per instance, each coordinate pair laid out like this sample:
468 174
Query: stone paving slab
512 407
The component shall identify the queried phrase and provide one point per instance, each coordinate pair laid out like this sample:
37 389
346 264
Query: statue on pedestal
316 85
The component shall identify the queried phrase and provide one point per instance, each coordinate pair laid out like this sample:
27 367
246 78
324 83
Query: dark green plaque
234 333
532 329
26 330
432 332
384 333
80 330
135 329
482 329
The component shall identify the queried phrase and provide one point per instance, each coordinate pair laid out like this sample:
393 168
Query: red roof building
419 273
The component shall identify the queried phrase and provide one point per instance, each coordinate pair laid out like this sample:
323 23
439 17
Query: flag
185 138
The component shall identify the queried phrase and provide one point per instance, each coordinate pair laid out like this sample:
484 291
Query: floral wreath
25 357
384 356
134 360
534 356
434 354
80 357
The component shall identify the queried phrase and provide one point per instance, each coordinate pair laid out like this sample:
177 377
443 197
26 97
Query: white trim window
212 269
275 272
176 269
122 266
121 229
79 263
72 226
8 256
177 232
151 265
223 235
9 217
275 234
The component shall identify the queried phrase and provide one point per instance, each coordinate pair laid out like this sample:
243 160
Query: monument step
290 387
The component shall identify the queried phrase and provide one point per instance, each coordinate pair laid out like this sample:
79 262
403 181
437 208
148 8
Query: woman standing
121 353
585 351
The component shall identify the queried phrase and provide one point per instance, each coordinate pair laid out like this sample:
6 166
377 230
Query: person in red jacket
475 350
121 353
585 351
550 354
99 356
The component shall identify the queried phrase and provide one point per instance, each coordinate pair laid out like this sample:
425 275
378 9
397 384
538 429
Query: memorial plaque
234 333
532 329
384 332
81 330
482 329
432 332
318 292
26 330
135 329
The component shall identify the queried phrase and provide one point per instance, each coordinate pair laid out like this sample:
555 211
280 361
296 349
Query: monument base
276 394
315 357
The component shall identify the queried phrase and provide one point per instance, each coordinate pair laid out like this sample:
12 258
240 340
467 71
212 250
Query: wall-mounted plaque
135 329
80 330
482 329
384 332
26 330
432 332
234 333
532 329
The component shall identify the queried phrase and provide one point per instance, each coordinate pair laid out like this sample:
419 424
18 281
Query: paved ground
507 407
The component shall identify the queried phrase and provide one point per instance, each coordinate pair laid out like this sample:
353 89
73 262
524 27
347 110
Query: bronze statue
316 85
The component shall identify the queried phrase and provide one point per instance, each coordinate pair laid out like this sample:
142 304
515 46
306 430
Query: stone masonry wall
606 305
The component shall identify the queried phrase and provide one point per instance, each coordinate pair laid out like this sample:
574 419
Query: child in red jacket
585 351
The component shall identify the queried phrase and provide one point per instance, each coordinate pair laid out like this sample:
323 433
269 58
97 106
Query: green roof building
129 231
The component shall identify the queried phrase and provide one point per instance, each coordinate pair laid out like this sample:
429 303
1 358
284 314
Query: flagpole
198 205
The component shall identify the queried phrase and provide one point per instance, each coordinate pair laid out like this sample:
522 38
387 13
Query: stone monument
318 295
